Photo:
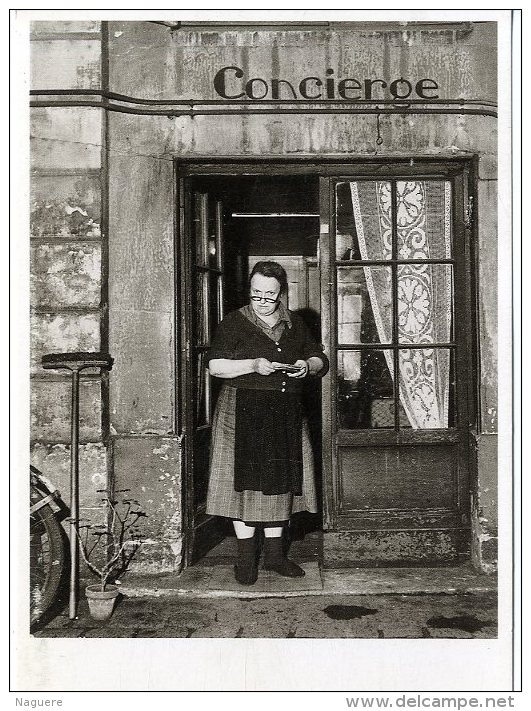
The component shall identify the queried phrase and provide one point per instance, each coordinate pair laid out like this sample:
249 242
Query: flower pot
101 602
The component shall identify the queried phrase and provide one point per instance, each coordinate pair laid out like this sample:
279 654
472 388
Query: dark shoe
246 567
274 559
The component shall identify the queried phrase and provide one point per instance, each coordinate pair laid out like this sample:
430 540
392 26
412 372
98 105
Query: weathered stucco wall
141 305
142 341
150 467
66 254
485 497
84 160
182 64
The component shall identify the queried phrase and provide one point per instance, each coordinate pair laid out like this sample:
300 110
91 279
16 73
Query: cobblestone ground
465 616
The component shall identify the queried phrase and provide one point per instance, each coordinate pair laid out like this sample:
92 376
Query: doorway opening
238 221
379 259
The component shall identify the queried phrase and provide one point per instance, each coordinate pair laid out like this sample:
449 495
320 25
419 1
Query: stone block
483 133
484 545
65 64
49 27
335 135
81 192
63 333
141 214
484 519
150 468
141 294
142 379
298 134
489 551
51 407
53 460
63 218
488 303
65 275
133 135
488 166
134 46
432 134
487 449
65 138
259 135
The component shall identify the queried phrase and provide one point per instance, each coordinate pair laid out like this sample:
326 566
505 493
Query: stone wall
67 244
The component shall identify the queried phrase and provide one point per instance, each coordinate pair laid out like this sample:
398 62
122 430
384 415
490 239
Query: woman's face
264 288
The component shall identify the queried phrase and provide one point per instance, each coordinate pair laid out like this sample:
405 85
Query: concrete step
218 581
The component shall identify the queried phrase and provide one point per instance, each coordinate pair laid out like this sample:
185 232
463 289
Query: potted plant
108 549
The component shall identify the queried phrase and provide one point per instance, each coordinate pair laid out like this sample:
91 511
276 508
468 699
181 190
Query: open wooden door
201 309
396 413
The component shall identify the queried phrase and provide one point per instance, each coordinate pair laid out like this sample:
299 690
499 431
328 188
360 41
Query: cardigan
236 338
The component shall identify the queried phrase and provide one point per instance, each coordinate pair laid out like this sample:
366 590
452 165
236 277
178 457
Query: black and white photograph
269 331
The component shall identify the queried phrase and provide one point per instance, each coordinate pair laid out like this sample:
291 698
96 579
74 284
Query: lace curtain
424 290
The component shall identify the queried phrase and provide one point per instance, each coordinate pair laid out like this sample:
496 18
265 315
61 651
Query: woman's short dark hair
271 269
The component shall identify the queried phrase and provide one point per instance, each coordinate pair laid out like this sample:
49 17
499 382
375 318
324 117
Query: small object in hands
287 367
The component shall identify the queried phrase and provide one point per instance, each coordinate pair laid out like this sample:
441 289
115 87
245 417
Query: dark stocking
246 567
274 559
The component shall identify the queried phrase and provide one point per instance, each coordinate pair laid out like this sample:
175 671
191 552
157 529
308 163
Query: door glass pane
218 210
212 239
200 224
423 211
365 389
363 220
427 387
425 303
364 305
200 385
200 310
214 294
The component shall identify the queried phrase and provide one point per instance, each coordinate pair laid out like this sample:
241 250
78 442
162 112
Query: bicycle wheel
47 559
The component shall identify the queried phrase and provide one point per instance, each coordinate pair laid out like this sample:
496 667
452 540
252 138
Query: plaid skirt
252 506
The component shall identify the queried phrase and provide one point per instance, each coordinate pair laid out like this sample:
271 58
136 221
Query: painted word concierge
231 83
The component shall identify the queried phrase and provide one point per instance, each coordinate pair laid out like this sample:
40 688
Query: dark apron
268 442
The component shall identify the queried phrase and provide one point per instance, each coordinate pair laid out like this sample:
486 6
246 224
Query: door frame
212 530
324 167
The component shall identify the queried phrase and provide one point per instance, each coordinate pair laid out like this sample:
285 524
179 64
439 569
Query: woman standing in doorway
261 468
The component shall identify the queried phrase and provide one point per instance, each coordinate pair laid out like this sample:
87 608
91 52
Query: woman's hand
262 366
303 372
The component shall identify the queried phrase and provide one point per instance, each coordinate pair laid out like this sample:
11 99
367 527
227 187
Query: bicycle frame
49 494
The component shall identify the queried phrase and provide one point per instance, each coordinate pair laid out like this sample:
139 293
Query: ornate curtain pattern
424 290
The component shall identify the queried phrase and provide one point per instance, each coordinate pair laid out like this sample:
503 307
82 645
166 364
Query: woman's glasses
265 299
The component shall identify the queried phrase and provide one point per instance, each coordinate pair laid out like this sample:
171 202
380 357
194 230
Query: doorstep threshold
218 581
